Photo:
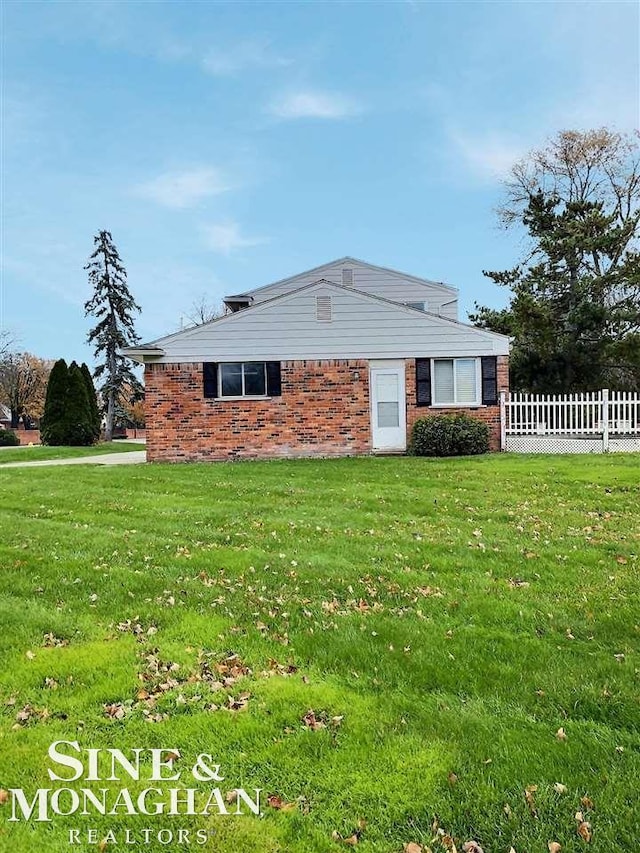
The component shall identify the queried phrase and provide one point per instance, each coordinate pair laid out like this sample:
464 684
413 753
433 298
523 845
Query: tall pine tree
114 307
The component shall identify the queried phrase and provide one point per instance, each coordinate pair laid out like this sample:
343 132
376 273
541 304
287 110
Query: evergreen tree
114 306
79 419
96 420
68 418
52 424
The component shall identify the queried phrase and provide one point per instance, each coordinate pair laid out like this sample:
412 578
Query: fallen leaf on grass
311 722
559 788
4 796
587 802
238 704
472 847
29 713
561 734
116 710
584 830
529 791
412 847
554 847
51 641
276 802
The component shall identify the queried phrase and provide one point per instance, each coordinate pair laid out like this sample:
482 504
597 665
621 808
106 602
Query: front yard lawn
398 650
41 451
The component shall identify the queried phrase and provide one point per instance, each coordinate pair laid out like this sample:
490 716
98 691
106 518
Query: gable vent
347 277
323 307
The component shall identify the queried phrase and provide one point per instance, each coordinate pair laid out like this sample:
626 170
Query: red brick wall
28 436
488 414
323 411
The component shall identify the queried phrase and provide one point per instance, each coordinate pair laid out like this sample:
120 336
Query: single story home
339 360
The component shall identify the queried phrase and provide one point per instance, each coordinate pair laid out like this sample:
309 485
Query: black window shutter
274 382
423 381
489 380
210 379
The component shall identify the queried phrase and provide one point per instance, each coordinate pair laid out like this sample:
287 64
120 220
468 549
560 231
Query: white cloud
314 104
182 189
489 156
225 238
223 62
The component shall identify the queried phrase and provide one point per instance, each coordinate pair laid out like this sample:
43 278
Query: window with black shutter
423 381
210 379
489 365
274 380
233 380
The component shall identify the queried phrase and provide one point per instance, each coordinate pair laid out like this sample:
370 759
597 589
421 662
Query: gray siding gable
392 284
285 328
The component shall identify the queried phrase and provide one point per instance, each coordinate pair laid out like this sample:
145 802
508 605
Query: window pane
254 379
388 415
387 387
466 380
231 380
443 381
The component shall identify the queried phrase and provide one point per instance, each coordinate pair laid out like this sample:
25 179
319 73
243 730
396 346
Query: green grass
41 452
456 614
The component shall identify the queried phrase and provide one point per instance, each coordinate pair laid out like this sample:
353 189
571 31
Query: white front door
388 411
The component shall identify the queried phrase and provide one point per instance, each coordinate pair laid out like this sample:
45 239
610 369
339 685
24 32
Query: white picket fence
593 422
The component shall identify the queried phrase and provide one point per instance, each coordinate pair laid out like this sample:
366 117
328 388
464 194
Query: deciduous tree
23 384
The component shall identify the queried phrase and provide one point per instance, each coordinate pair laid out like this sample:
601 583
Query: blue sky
227 145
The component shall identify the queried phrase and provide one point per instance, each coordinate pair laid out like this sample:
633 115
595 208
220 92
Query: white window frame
242 396
478 401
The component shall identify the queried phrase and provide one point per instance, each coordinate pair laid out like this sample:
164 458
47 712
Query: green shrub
449 435
8 438
68 417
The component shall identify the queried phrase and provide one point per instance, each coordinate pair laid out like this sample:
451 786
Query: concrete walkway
133 457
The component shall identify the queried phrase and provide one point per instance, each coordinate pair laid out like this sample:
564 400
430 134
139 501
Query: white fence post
605 419
503 420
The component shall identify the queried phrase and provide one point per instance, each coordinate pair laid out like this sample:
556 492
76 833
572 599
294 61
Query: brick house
335 361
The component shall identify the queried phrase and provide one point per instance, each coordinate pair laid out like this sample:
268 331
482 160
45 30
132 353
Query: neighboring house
5 417
336 361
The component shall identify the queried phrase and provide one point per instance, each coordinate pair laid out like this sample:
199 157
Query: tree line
574 300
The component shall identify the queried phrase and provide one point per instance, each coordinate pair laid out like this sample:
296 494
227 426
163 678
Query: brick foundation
488 414
323 411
